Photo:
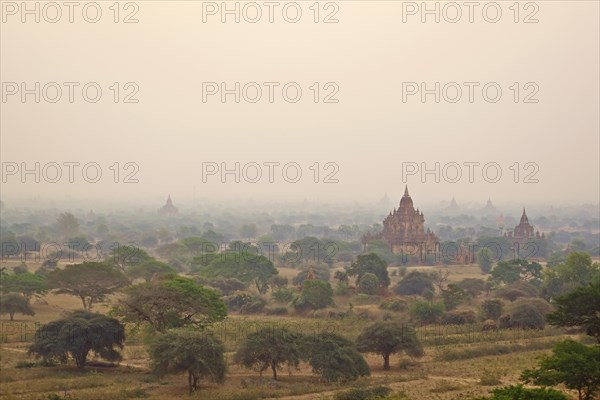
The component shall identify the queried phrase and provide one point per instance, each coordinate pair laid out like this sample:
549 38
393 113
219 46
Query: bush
472 286
341 289
459 317
541 305
368 283
377 392
364 299
245 303
283 294
524 316
491 309
453 296
316 294
490 378
335 359
516 290
414 283
521 393
276 311
393 304
426 311
228 286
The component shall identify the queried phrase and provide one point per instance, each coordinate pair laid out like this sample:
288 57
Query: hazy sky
366 61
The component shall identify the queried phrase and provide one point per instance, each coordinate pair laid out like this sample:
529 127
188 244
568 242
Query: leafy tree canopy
370 263
90 281
386 338
198 353
573 364
77 335
171 303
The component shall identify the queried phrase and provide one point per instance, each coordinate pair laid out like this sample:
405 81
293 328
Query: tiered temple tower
404 230
168 208
524 230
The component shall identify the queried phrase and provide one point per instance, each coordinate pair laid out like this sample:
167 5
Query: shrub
453 296
393 304
335 359
368 393
341 289
459 317
368 283
276 311
491 309
523 315
474 287
517 290
278 281
541 305
519 392
245 303
283 294
490 378
316 294
228 286
414 283
426 311
363 299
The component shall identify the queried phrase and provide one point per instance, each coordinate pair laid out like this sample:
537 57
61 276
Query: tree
228 285
484 259
67 225
278 281
577 271
270 347
12 303
316 294
491 309
511 271
170 303
199 354
581 307
439 278
453 296
124 256
335 358
148 270
573 364
25 283
368 284
414 283
426 311
90 281
77 335
370 263
386 338
321 272
519 392
523 315
242 266
248 231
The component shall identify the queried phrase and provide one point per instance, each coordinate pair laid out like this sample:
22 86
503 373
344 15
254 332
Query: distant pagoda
168 208
404 230
524 230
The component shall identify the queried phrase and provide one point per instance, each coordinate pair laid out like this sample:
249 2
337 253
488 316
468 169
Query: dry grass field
454 367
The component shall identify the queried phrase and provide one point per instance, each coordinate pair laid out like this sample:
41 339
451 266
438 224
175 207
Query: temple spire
406 191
